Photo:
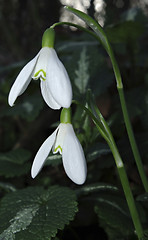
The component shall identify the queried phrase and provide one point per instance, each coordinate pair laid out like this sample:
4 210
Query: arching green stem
101 37
120 167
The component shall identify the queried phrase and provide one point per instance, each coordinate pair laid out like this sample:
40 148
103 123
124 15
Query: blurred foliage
45 207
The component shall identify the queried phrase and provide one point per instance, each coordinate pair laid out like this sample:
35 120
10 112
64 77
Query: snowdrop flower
64 141
55 84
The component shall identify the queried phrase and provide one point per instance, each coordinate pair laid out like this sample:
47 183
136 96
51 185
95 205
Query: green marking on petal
38 73
58 147
43 78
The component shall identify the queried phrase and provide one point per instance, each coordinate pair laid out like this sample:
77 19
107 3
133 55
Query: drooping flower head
64 141
55 84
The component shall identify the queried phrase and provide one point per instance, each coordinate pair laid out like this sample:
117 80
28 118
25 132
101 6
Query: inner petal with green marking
41 65
40 74
58 145
58 149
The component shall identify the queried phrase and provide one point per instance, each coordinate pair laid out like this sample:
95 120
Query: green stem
127 191
131 136
127 120
104 41
76 26
98 125
120 167
132 140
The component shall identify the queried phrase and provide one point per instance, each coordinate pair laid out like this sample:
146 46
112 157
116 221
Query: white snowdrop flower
55 83
64 141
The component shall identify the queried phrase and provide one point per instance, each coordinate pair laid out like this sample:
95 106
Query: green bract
48 38
65 116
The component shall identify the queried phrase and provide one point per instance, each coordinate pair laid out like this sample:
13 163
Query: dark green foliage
35 213
114 216
14 163
28 109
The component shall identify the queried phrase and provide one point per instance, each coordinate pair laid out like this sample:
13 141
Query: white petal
41 66
58 80
47 96
42 154
22 81
73 157
58 145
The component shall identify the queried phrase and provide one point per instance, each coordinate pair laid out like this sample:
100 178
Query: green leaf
143 197
97 188
145 237
12 66
35 213
54 160
82 75
124 32
18 156
7 187
114 216
29 109
98 150
14 163
98 75
74 45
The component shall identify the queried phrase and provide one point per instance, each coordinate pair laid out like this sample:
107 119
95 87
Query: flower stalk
102 38
48 38
132 140
127 191
107 135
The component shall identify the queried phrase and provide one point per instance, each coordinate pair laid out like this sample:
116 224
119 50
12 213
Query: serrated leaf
14 163
82 75
35 213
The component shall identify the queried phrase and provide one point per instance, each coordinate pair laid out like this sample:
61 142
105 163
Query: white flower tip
33 176
35 169
11 104
11 100
79 179
33 173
